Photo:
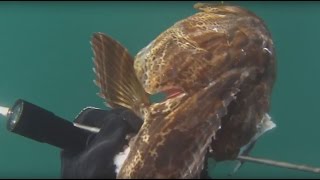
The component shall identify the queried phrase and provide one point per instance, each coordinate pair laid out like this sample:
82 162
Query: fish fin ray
115 76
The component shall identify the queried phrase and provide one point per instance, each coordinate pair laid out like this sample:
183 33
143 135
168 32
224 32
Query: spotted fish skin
222 59
196 50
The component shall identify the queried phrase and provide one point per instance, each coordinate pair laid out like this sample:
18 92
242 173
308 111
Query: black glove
96 160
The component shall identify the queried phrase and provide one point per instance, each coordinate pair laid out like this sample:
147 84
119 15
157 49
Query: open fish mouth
172 92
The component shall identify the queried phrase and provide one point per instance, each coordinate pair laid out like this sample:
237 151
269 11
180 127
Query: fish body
218 69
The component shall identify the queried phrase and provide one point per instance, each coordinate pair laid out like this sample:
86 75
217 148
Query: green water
45 58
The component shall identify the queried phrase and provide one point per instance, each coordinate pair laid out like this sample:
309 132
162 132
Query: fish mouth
172 92
167 95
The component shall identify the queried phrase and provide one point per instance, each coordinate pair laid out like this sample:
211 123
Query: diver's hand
96 160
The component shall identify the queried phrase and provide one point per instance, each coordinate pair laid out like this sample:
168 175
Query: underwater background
45 58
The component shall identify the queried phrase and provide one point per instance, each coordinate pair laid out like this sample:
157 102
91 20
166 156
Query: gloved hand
96 160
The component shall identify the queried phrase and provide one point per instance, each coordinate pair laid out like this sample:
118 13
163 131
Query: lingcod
217 68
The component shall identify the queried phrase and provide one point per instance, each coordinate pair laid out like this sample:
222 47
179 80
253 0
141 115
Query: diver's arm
96 160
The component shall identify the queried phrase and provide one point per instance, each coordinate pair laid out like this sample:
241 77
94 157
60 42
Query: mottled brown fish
218 69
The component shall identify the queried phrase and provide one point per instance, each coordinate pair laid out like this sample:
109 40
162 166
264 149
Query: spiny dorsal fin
115 75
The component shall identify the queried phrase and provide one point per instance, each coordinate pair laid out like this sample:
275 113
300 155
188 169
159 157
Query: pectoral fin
115 75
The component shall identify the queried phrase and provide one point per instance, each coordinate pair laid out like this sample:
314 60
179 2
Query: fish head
195 51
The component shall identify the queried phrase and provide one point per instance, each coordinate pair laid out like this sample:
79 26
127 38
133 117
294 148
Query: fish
217 68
